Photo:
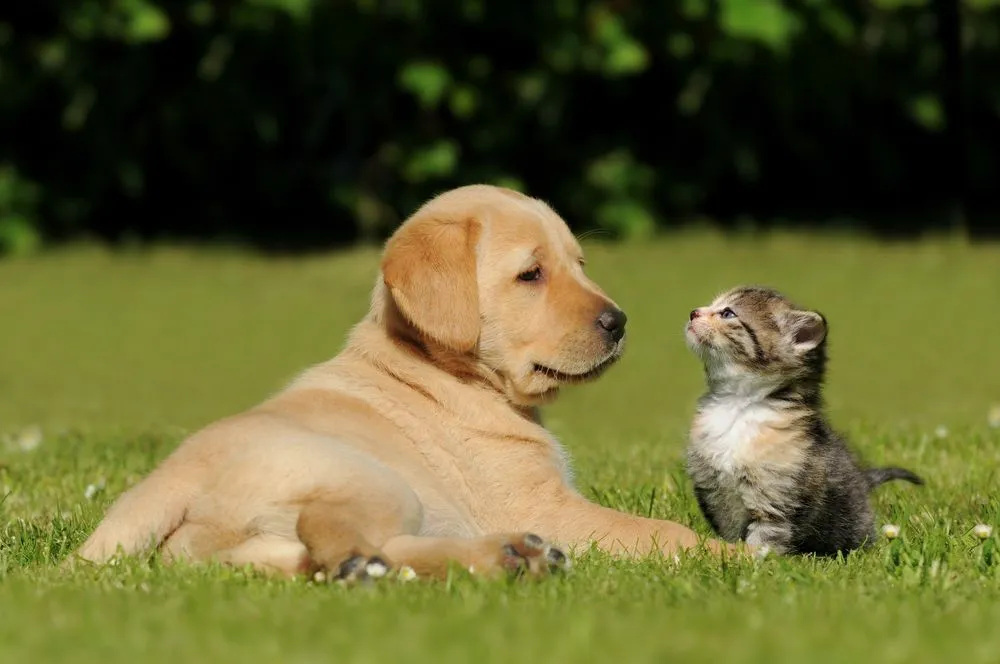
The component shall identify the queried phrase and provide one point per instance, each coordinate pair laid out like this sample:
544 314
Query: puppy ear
429 267
807 329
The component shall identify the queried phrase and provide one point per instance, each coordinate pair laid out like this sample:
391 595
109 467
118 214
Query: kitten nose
612 321
695 313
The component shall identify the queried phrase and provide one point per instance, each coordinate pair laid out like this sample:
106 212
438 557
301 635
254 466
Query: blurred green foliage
18 218
295 123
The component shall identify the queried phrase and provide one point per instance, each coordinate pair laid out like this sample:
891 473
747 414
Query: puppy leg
272 553
575 521
338 540
490 555
197 541
268 553
323 543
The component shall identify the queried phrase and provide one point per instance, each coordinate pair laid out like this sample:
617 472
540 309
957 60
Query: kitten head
756 338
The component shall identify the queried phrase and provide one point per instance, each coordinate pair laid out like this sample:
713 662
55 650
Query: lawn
107 360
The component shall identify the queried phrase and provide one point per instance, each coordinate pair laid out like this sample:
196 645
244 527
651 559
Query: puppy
420 444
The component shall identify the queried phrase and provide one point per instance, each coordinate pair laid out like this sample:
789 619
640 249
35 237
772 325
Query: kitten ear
808 329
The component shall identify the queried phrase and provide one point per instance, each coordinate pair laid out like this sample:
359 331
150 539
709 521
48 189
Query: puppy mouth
582 377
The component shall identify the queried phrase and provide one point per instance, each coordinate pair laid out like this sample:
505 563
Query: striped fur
765 464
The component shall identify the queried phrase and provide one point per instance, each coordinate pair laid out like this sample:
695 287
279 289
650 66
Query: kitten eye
728 313
533 274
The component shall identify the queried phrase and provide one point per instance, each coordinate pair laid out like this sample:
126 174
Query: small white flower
93 489
29 439
406 573
941 431
891 531
982 531
762 553
319 577
993 417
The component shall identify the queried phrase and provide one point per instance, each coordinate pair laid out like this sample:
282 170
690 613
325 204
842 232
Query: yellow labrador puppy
418 445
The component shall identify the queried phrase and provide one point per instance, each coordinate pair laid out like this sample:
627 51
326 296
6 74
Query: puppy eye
533 274
728 313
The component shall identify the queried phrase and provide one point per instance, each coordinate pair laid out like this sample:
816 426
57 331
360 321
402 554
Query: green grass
113 358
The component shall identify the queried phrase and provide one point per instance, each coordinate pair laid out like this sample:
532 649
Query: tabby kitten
765 463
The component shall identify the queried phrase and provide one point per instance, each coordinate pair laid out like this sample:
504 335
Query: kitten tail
877 476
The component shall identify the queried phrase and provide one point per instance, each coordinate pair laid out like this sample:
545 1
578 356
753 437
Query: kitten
765 463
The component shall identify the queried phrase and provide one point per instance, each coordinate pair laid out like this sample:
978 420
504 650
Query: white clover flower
30 439
993 417
890 530
319 577
941 431
93 489
982 531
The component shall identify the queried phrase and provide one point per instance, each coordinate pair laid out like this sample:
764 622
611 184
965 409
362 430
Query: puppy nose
695 313
613 321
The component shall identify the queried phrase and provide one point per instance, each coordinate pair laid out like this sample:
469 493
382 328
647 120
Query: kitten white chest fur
720 448
726 429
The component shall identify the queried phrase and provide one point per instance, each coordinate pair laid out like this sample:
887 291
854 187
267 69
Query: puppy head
493 275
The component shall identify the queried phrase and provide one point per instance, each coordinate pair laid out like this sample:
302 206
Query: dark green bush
297 123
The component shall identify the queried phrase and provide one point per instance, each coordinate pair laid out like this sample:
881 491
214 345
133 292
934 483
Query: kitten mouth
693 335
699 343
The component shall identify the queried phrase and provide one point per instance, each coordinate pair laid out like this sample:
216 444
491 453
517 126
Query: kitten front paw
764 539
